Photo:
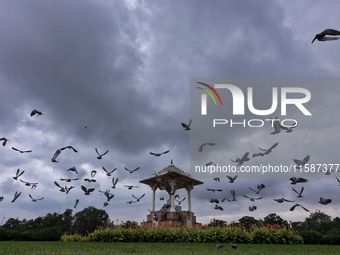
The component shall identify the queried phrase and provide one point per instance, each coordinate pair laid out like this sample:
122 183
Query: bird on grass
322 36
234 246
218 246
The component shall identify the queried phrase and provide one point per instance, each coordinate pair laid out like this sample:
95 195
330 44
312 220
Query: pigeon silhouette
322 36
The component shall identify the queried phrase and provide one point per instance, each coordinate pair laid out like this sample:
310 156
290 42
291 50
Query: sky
116 76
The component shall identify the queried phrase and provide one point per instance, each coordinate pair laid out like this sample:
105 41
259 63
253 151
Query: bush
311 237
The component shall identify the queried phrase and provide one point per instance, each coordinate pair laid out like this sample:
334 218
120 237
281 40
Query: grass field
74 248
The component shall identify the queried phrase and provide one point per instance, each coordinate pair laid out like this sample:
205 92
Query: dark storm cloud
123 70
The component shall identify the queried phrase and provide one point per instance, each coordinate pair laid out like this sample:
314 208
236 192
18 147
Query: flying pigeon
281 200
252 208
337 180
62 189
90 180
299 193
138 199
186 127
301 163
131 186
322 36
276 125
213 190
100 155
252 198
73 169
130 202
293 207
36 112
21 150
18 174
216 179
214 200
296 180
33 185
325 201
217 207
109 173
16 195
76 203
68 179
200 149
259 188
232 179
240 161
35 199
56 154
179 202
69 147
131 171
233 194
159 154
267 151
86 190
67 189
114 182
5 140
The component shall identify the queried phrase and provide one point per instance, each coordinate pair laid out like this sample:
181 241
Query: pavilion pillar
153 187
189 188
172 182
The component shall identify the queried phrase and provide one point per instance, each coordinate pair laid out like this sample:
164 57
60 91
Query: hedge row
190 235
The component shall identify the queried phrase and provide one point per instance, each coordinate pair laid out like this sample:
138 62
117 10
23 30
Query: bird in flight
18 174
36 112
240 161
259 188
21 150
213 190
68 179
33 185
252 198
200 149
72 169
76 203
217 207
296 180
86 190
322 36
180 201
267 151
325 201
281 200
299 193
100 155
109 173
300 163
131 171
252 208
5 140
232 179
35 199
159 154
187 126
337 180
233 195
114 182
138 198
131 186
293 207
16 195
69 147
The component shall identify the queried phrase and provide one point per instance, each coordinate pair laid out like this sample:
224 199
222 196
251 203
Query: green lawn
74 248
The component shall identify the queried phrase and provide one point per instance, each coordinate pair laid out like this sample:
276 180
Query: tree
88 219
247 221
318 221
272 219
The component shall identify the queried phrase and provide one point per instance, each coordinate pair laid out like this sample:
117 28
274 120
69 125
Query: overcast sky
116 76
